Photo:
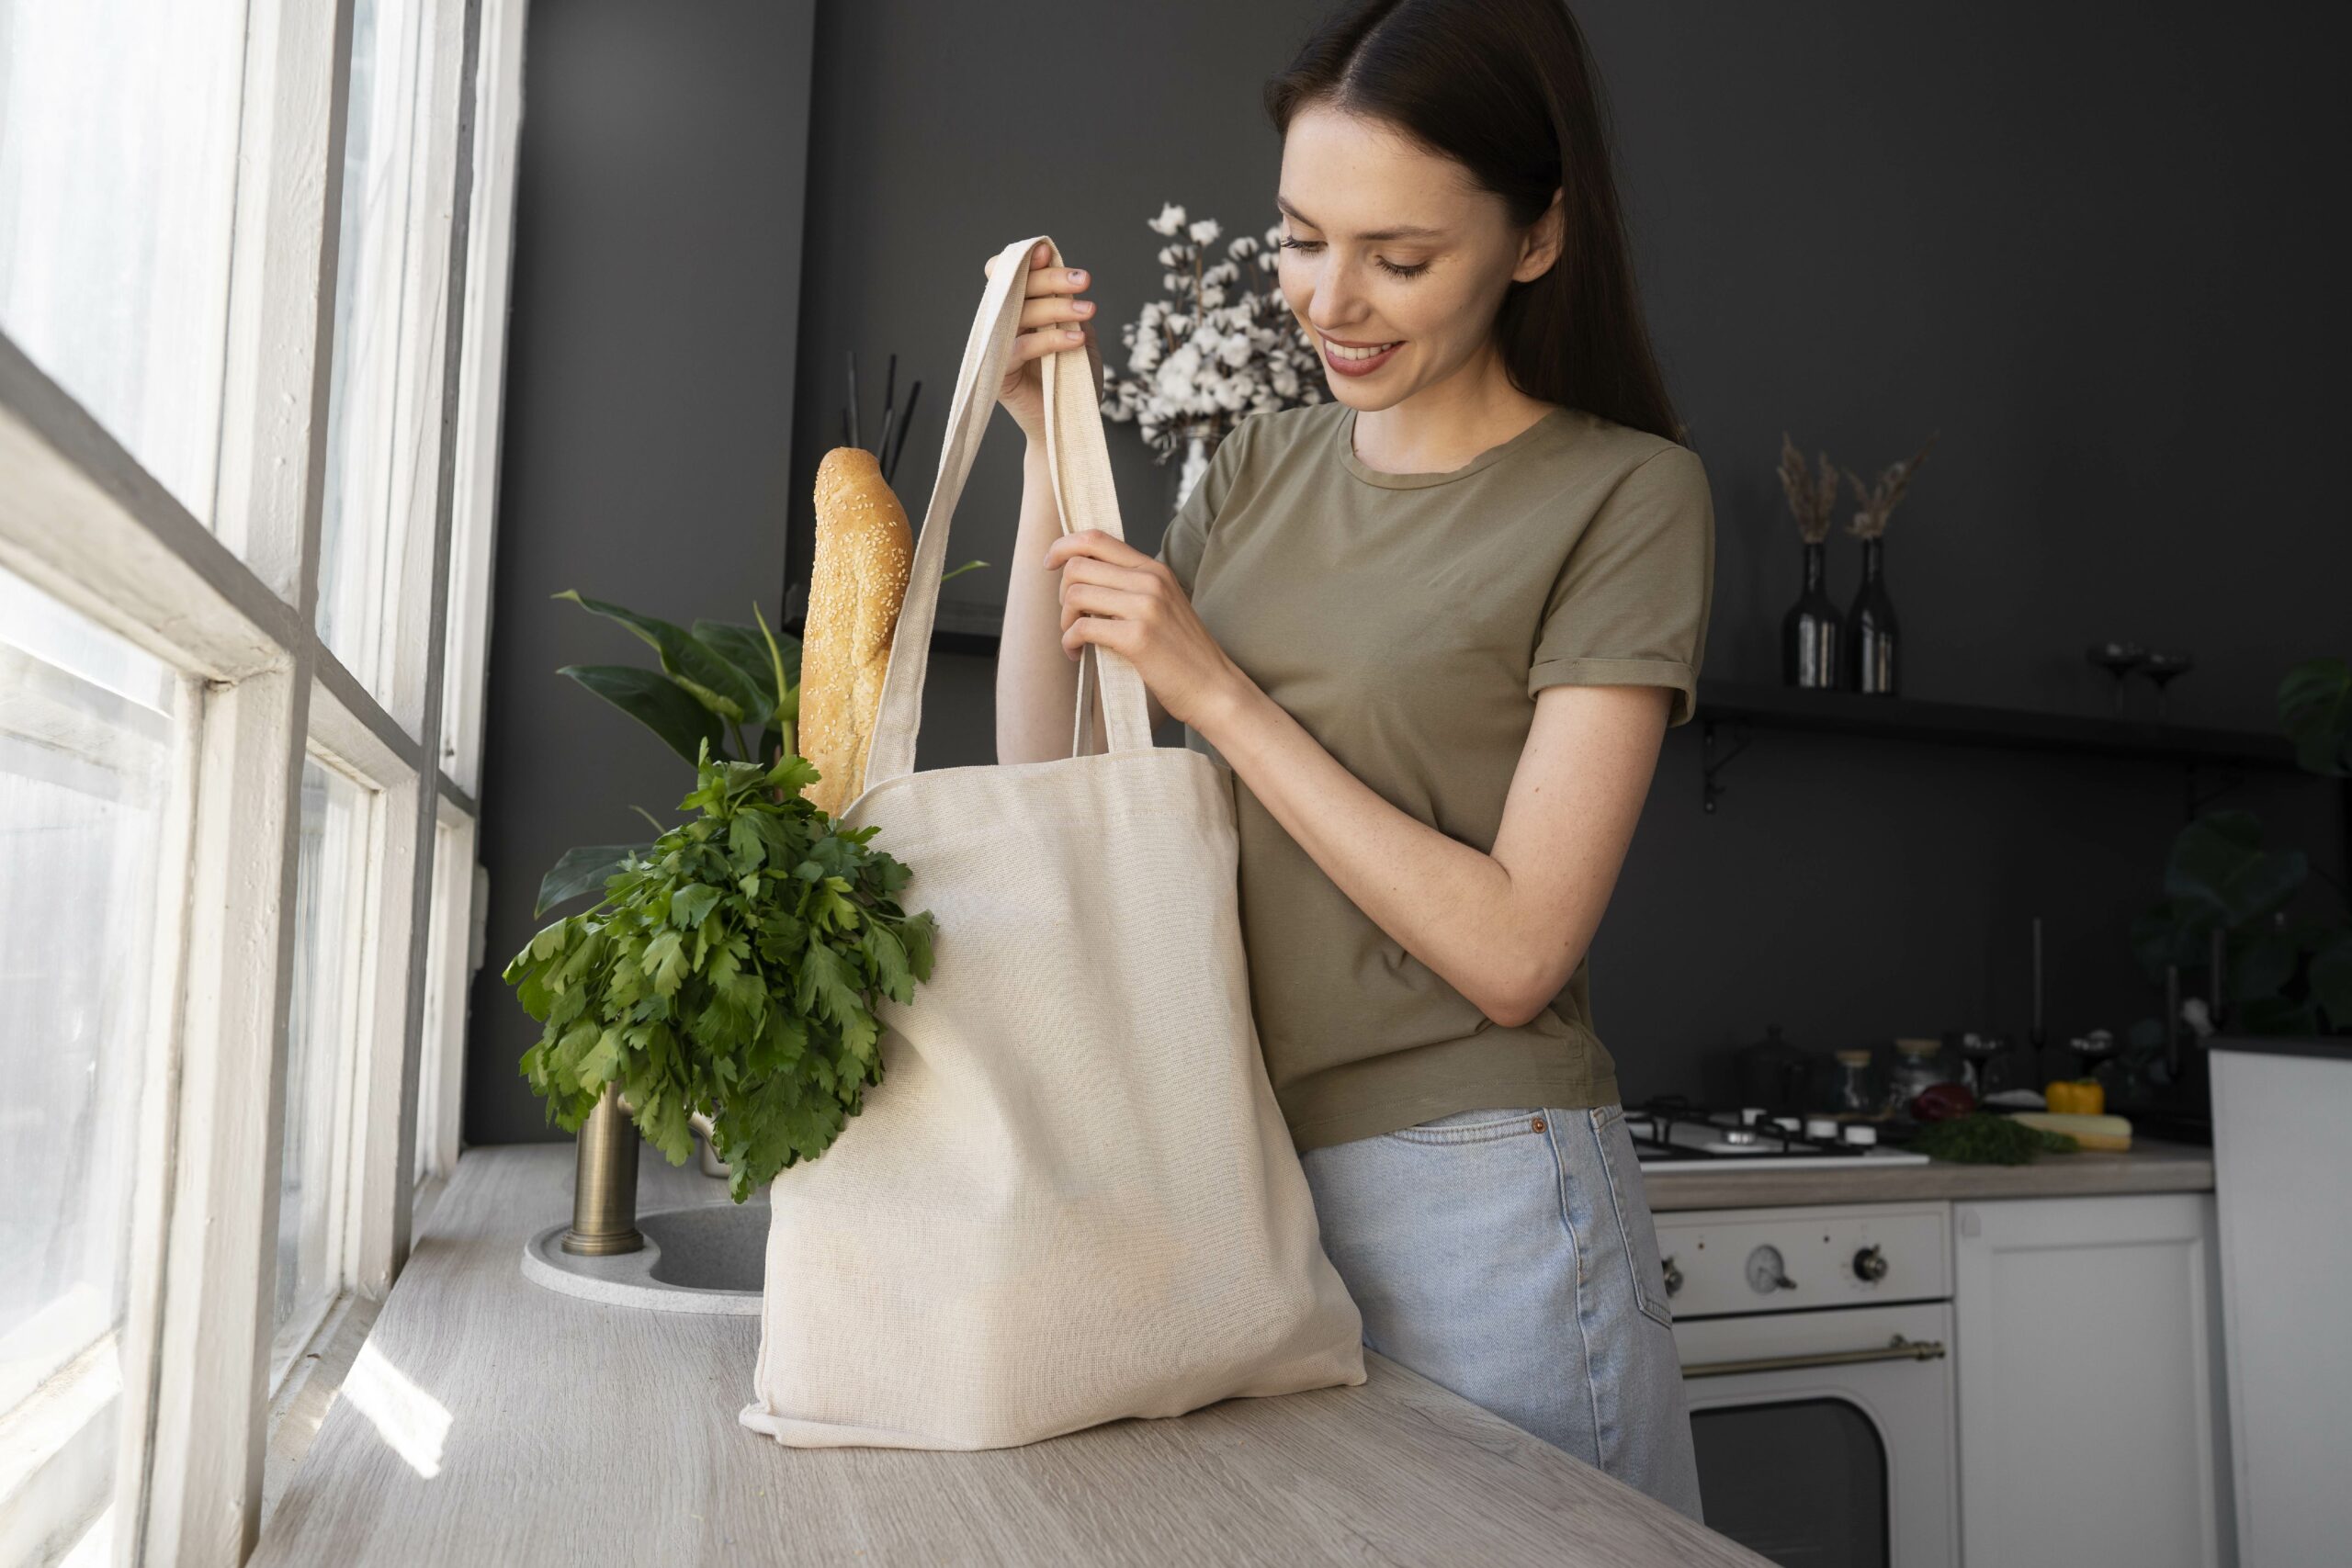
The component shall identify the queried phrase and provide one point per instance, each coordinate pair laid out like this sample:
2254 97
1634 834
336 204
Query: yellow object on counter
2084 1097
2089 1131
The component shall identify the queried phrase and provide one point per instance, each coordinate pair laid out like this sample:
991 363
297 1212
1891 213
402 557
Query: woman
1437 626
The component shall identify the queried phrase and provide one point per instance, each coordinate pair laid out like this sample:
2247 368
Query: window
117 154
390 293
450 954
86 731
325 1027
225 808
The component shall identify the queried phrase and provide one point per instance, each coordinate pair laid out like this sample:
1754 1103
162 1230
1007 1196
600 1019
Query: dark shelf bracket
1710 766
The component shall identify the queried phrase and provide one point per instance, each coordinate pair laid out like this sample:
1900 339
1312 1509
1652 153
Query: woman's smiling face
1390 246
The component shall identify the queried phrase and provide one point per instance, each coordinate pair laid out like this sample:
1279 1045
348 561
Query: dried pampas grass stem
1878 500
1811 501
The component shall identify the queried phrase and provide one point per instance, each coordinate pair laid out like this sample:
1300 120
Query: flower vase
1812 632
1196 463
1871 632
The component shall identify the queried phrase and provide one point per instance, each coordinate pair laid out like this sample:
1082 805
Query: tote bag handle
1080 467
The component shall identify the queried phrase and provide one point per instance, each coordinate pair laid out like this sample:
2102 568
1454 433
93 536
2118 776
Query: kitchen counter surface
2150 1165
488 1420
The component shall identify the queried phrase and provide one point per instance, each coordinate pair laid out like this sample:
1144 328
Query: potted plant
726 980
2227 900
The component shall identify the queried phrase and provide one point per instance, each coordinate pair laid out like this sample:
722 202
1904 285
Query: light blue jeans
1508 1256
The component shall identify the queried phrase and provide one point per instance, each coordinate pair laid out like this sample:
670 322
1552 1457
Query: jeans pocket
1472 1127
1622 1167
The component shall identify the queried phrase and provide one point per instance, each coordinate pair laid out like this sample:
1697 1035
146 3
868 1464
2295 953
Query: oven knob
1673 1275
1870 1263
1765 1274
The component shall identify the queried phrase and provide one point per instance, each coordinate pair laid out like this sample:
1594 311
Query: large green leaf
581 870
2316 710
2218 863
707 674
658 703
748 652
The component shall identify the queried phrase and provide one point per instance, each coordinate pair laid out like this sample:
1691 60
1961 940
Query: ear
1541 246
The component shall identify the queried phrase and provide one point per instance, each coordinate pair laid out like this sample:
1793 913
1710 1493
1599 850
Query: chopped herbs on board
732 967
1987 1137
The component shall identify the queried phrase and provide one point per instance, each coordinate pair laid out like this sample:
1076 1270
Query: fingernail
1077 274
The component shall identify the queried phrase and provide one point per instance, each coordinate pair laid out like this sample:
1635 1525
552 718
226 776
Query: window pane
498 89
118 163
445 979
86 741
382 408
331 879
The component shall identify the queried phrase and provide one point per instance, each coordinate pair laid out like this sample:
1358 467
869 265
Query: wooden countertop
2150 1165
489 1420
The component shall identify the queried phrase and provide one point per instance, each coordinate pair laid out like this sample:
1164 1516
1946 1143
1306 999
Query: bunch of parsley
731 968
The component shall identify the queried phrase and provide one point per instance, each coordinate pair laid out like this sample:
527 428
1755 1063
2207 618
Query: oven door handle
1897 1348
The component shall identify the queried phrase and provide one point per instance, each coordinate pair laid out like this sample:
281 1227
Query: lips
1342 363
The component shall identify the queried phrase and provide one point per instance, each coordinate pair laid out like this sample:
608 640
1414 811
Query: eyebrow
1401 231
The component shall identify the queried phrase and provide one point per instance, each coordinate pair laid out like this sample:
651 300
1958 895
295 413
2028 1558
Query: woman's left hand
1115 595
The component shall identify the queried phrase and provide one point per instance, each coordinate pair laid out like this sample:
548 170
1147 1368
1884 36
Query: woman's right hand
1052 318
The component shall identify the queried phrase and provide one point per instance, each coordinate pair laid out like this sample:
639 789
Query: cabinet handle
1897 1348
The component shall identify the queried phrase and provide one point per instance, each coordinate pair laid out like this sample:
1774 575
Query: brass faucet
604 1187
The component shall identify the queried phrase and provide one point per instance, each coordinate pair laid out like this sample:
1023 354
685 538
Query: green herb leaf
733 966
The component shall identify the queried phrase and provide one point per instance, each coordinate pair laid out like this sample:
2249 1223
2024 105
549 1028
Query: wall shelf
1743 707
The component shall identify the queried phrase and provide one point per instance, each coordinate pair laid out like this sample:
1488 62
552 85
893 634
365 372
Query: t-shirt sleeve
1187 537
1630 604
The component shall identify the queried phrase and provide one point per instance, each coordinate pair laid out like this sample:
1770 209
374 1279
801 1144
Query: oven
1816 1348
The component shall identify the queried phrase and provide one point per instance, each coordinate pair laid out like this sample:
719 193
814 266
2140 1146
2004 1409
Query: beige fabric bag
1072 1198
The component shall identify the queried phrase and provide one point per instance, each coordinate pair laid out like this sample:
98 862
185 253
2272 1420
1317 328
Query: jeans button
1538 1124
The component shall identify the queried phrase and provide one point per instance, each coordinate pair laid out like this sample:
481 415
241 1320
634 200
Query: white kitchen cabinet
2088 1362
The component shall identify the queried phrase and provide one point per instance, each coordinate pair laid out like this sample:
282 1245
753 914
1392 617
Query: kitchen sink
700 1257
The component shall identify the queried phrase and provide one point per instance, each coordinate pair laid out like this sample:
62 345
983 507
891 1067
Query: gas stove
1670 1134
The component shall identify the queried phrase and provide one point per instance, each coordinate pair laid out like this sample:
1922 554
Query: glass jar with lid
1856 1096
1916 1065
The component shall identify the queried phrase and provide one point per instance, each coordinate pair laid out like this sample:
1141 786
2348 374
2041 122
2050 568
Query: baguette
857 584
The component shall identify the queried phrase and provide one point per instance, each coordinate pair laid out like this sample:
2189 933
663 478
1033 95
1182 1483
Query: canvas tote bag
1073 1197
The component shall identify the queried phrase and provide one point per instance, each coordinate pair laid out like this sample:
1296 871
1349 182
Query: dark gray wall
649 396
2089 255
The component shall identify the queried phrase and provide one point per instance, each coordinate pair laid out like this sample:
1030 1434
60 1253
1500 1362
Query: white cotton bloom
1211 294
1205 231
1237 350
1241 245
1167 281
1171 218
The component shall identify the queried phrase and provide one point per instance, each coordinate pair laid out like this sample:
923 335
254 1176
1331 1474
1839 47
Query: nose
1332 303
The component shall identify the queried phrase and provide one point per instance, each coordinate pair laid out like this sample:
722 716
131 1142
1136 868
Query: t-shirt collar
1346 452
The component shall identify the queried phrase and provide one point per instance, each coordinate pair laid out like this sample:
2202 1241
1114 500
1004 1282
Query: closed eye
1286 242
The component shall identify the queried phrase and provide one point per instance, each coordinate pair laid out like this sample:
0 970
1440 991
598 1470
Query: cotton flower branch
1215 350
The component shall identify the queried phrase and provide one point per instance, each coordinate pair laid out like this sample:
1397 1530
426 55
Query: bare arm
1506 929
1036 678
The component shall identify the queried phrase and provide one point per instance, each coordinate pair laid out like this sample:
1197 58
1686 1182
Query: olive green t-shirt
1406 621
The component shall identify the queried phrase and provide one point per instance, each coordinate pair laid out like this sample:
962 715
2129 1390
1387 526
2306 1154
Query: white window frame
234 614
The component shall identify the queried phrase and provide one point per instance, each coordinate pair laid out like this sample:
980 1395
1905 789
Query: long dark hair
1505 88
